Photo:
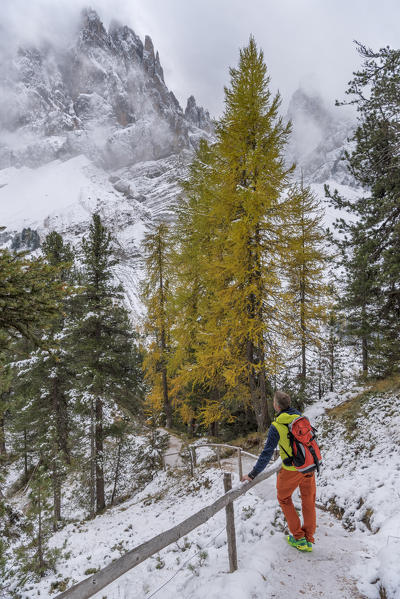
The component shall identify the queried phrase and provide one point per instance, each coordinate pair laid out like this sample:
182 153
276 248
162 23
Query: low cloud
303 40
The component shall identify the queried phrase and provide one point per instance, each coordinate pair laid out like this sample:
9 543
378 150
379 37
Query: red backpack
306 453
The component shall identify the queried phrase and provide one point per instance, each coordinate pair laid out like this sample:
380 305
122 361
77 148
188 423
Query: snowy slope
197 566
92 126
361 479
356 551
62 195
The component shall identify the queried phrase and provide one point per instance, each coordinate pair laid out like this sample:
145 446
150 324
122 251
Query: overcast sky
305 42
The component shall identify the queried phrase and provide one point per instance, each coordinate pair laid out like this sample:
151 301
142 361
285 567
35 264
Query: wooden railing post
194 460
191 462
230 525
240 468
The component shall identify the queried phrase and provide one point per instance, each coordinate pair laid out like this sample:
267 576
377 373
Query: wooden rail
217 446
91 585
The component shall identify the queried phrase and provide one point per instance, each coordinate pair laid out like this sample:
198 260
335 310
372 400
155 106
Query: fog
305 42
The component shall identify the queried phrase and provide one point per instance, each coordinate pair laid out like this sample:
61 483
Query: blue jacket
269 447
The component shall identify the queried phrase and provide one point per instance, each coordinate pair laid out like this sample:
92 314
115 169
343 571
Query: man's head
281 401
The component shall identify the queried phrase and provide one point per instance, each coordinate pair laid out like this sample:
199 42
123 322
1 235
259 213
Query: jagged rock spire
197 115
92 30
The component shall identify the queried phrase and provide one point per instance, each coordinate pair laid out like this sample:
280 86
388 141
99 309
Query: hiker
289 478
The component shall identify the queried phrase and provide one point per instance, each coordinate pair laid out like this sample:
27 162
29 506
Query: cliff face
103 96
91 126
319 139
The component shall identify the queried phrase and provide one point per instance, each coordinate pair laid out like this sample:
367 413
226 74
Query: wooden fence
91 585
218 446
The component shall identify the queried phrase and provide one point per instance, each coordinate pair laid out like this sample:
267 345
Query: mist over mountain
104 96
319 137
89 124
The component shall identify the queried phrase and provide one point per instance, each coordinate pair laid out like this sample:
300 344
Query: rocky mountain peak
125 40
92 31
319 138
103 95
309 105
197 115
151 60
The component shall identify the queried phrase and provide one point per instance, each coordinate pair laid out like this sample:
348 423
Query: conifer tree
371 236
191 295
35 558
247 178
5 387
304 264
155 294
29 294
106 354
40 407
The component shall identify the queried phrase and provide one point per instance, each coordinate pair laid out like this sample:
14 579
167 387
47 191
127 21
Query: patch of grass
335 509
248 442
382 592
390 384
59 585
160 563
348 411
153 498
367 518
91 571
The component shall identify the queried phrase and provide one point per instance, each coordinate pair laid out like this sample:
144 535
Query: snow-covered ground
361 481
355 555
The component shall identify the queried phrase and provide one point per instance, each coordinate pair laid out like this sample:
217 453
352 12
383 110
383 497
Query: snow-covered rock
319 139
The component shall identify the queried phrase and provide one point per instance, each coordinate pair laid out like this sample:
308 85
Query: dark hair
282 399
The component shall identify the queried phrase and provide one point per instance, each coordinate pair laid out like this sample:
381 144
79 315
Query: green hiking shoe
300 544
309 546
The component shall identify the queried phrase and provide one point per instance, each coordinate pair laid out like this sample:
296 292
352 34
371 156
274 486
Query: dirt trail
324 573
175 445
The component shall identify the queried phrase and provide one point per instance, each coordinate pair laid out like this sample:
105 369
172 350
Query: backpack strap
281 446
289 460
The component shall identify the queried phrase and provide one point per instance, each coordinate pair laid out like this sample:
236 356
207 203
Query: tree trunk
303 337
60 445
319 375
3 450
100 502
40 536
117 469
56 498
25 456
167 403
257 383
364 345
163 342
255 351
60 410
332 362
92 463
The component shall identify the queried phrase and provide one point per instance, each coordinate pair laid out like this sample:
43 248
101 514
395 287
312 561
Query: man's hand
246 479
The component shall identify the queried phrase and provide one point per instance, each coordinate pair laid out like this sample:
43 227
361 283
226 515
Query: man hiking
301 537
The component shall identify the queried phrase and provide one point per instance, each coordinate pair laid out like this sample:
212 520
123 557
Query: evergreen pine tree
305 262
107 359
247 176
371 241
40 410
156 296
29 294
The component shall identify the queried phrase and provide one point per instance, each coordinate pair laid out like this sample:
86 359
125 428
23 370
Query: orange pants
287 482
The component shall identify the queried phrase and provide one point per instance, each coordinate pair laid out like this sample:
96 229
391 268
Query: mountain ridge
92 127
